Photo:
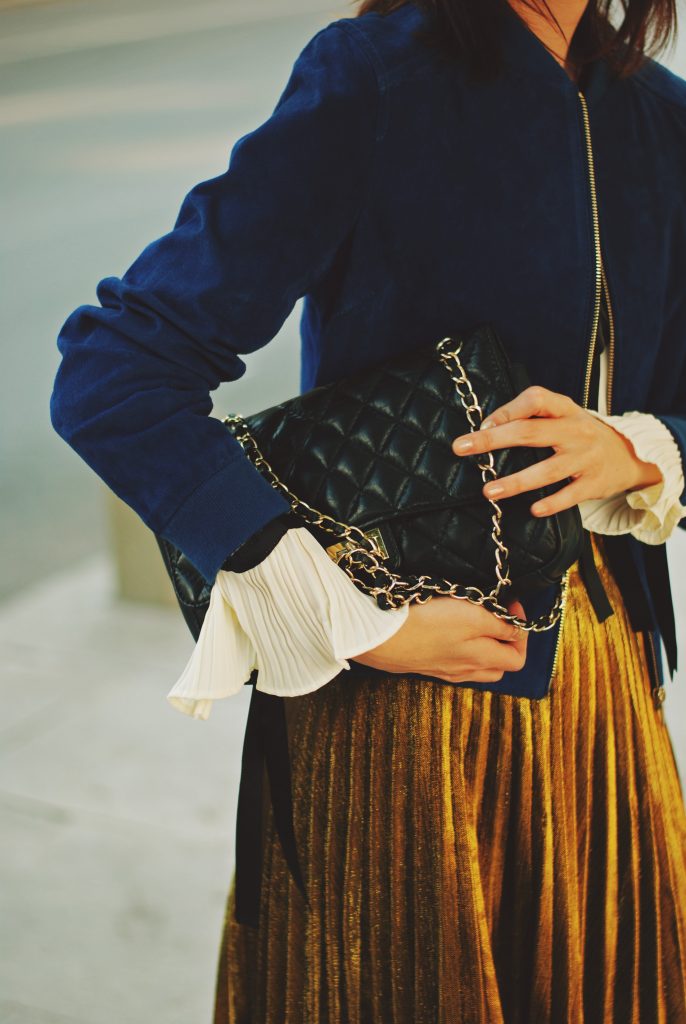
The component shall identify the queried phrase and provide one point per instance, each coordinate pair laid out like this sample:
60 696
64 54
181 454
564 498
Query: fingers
549 471
534 401
500 629
469 640
537 432
488 661
491 655
502 646
477 676
516 607
566 497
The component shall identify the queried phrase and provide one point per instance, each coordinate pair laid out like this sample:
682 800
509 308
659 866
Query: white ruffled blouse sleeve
651 514
296 618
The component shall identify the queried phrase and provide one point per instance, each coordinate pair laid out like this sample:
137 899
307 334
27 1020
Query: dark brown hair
468 29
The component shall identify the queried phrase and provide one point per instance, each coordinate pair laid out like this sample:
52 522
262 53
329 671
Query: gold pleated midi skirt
476 858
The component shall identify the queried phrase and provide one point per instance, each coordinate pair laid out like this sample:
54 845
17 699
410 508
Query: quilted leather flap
377 446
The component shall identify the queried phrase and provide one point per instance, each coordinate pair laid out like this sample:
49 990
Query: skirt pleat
476 858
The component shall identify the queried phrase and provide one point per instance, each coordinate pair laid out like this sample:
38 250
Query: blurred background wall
117 813
109 112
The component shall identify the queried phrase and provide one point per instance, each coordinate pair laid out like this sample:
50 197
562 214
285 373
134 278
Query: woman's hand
600 461
455 640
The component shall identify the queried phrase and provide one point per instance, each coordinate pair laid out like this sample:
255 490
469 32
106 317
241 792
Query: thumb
515 607
521 637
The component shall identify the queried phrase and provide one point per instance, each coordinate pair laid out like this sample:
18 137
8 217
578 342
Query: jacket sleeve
132 392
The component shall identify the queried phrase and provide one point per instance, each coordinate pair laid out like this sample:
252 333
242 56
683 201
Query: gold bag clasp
336 550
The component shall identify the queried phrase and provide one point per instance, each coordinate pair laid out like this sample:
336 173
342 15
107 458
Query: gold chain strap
359 554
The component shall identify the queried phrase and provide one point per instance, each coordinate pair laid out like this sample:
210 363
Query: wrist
646 474
649 474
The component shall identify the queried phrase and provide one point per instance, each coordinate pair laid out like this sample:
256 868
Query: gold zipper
611 346
599 276
563 603
600 286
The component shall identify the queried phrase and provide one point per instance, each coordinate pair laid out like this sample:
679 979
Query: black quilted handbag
367 463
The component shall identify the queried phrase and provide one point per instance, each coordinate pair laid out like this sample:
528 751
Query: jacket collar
525 56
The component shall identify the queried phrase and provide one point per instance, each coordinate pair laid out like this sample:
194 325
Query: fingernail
464 446
487 423
494 489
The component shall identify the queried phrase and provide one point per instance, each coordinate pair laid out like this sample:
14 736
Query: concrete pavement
116 811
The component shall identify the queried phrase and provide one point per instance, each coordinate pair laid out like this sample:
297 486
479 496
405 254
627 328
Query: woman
511 846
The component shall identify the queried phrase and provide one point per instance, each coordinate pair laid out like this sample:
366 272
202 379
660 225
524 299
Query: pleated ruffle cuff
651 513
296 618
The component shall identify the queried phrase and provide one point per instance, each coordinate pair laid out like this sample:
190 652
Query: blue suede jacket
401 200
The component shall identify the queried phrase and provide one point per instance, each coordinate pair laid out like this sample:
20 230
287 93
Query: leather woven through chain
362 559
